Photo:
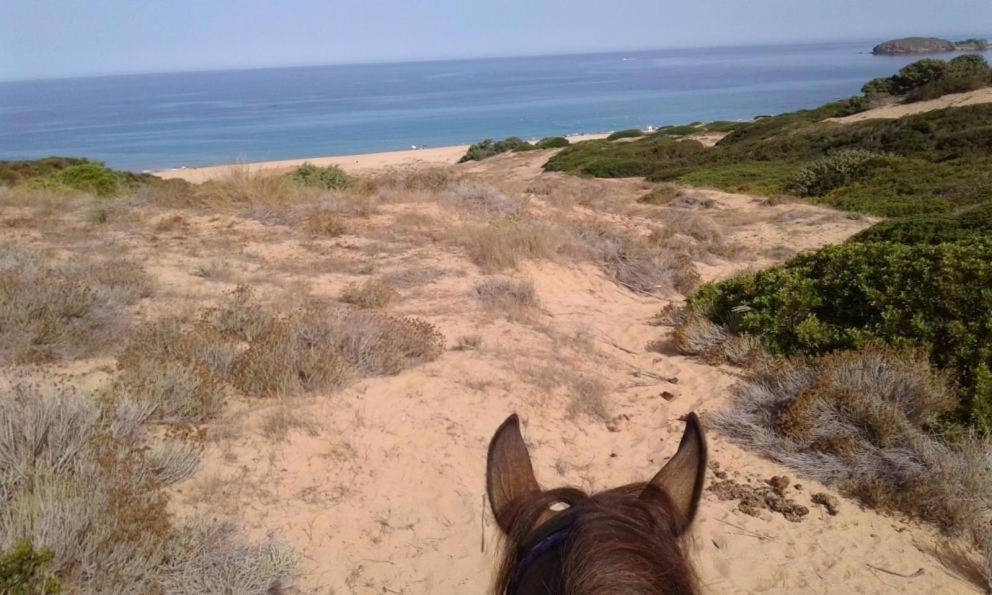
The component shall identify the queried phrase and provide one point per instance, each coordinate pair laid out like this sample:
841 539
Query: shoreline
358 163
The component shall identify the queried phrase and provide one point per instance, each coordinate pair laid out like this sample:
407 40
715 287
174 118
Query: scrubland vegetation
867 364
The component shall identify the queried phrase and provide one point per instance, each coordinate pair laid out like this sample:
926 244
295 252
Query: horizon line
431 60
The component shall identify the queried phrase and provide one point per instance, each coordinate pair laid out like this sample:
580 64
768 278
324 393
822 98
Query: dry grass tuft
178 372
51 310
244 186
435 180
861 421
484 200
698 335
215 269
515 296
325 224
503 244
86 483
468 343
632 261
370 294
588 397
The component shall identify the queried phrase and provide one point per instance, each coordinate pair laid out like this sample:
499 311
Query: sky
61 38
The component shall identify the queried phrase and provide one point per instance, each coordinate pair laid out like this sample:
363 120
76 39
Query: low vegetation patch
862 421
514 296
330 177
628 133
932 162
488 148
552 142
854 295
84 510
51 310
930 79
369 294
184 372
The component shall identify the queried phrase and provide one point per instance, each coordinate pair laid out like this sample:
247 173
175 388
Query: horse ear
509 473
681 479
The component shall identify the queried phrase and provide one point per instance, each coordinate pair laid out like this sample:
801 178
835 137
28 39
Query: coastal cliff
928 45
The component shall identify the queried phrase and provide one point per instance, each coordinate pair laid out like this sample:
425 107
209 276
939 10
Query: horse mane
624 540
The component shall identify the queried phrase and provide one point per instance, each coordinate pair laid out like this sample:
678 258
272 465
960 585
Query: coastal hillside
284 379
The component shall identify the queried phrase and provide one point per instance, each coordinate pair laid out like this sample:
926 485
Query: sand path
380 488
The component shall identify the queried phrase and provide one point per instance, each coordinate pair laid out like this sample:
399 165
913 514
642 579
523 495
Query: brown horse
624 540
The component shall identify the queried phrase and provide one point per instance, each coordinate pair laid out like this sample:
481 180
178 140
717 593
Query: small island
928 45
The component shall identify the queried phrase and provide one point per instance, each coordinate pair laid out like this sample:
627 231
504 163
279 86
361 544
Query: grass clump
325 224
52 310
628 133
183 372
83 503
370 294
504 243
516 297
488 148
854 295
330 177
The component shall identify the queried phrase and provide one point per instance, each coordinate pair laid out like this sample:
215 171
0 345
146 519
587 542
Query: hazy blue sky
50 38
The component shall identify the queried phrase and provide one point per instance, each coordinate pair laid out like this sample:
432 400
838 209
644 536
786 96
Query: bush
930 79
50 311
862 422
628 133
833 171
13 173
24 571
854 295
84 485
974 223
330 177
552 142
370 294
489 148
88 177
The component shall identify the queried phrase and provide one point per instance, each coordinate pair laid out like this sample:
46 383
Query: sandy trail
379 487
891 112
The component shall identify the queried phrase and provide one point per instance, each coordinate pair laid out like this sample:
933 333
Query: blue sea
158 121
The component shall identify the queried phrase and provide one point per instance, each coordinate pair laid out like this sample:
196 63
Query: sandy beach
362 163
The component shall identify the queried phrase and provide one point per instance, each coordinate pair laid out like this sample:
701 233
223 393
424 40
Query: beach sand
358 164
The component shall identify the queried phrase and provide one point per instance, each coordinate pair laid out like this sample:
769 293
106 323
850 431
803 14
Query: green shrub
930 79
552 142
855 294
330 177
24 571
489 147
932 229
628 133
833 171
87 177
13 173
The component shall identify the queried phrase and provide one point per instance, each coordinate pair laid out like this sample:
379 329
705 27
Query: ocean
158 121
